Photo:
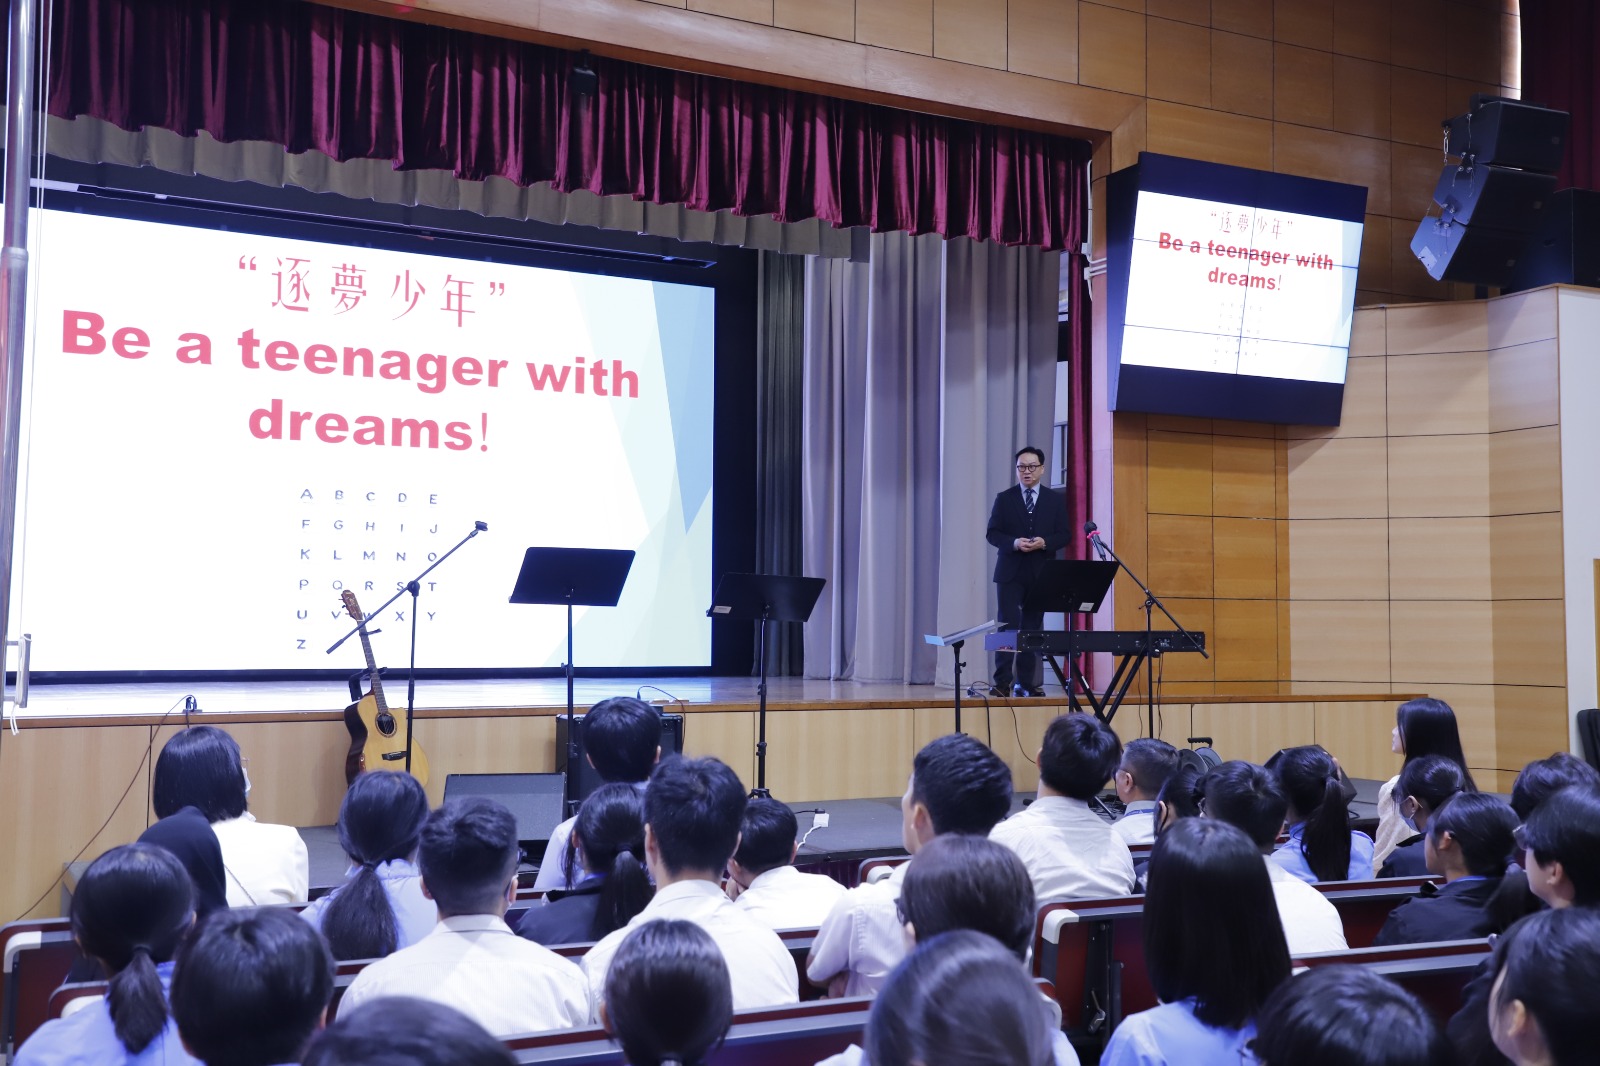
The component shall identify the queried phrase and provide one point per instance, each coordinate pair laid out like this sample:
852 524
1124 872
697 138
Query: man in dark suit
1029 525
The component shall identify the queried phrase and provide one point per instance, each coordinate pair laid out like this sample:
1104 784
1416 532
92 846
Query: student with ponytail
607 838
668 996
380 908
131 908
1321 845
1424 786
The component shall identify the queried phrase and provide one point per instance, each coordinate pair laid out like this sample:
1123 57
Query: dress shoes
1024 692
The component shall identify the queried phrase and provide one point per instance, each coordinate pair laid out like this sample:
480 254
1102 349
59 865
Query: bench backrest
1435 973
35 958
873 870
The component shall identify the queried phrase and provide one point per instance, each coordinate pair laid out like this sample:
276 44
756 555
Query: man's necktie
1028 496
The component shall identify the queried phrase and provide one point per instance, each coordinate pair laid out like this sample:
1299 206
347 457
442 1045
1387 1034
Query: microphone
1093 532
480 526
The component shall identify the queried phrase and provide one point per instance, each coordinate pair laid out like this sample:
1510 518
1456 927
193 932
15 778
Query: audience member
406 1031
608 838
1542 779
1542 1005
692 812
131 908
188 836
1070 852
762 880
1147 765
380 907
251 987
1422 727
1248 797
1468 844
959 999
622 741
957 785
1321 844
201 767
1179 798
472 961
1212 946
1346 1016
1424 785
668 996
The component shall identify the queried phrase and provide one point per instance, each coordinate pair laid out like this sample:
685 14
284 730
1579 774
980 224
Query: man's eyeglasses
1028 468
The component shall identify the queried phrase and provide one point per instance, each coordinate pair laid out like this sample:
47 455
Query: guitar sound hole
385 724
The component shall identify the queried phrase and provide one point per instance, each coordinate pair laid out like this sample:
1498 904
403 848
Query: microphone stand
414 586
1150 601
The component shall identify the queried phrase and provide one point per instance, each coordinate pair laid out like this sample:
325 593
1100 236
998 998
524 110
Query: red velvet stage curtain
353 85
1560 39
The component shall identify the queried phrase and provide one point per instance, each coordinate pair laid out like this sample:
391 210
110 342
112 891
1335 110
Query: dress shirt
551 868
1138 823
761 968
1311 924
415 915
1456 911
1291 858
476 964
1172 1034
1070 852
89 1038
863 937
265 863
785 898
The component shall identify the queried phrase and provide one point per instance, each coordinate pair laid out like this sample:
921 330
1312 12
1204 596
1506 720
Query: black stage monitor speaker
1565 248
1510 133
534 799
1483 195
572 754
1477 254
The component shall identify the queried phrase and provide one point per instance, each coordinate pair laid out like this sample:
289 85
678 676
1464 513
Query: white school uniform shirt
1070 852
785 898
264 863
863 937
1138 823
1310 923
476 964
761 968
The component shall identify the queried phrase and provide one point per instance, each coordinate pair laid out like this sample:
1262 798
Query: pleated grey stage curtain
780 380
926 369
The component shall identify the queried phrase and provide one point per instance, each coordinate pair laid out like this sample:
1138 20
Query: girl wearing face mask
1424 786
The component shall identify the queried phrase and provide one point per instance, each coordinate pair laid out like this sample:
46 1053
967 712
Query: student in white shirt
406 1031
251 986
1339 1015
472 961
264 863
957 785
762 880
1213 948
1248 797
380 907
1071 852
1147 765
692 812
668 995
622 741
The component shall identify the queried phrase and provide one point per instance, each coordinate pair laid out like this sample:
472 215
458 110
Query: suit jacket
1009 519
1457 911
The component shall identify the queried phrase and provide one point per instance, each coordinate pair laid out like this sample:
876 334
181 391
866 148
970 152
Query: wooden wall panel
1522 318
1338 478
1423 328
1180 62
1215 136
1254 730
1525 471
1366 384
903 25
1302 90
1042 40
1340 640
1530 639
1111 48
1434 477
1243 471
1179 477
1439 558
1339 559
1525 558
1438 393
1241 76
873 761
1524 386
1357 734
822 18
968 31
1244 641
1440 642
757 11
1245 563
1181 555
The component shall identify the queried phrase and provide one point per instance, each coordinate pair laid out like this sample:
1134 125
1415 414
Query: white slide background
161 531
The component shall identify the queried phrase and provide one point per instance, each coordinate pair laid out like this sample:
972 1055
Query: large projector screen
224 431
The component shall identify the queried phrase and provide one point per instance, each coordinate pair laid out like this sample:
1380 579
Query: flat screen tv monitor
1231 291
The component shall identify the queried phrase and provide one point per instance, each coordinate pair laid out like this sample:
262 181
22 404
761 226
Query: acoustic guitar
376 741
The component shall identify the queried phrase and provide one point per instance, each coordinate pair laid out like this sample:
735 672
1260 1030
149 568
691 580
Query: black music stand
764 598
1069 587
954 642
582 577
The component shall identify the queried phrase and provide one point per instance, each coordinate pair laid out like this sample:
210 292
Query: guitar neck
372 671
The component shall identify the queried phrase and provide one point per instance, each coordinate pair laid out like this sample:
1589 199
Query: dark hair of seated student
468 855
130 911
965 787
380 820
1542 1004
405 1031
199 767
622 736
1424 786
1468 843
1211 926
251 987
1561 848
1542 779
1079 755
668 997
1179 798
1247 797
767 836
1428 727
1347 1016
958 999
960 881
187 835
1319 800
694 808
610 834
